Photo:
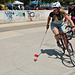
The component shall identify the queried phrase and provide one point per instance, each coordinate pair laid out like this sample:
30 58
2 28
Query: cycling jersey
58 18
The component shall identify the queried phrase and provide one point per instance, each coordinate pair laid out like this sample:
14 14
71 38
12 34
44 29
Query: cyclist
71 10
57 24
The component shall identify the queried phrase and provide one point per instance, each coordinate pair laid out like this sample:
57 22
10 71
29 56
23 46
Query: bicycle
68 46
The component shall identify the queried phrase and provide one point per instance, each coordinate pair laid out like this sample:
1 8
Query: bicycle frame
67 41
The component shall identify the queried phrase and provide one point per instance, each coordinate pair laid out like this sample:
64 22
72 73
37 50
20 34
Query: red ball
36 55
35 60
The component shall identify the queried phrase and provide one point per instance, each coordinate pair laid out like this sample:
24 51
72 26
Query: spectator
71 10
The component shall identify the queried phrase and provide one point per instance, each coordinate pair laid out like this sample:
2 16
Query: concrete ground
18 44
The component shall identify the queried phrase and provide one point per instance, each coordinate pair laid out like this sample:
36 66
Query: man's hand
73 28
47 27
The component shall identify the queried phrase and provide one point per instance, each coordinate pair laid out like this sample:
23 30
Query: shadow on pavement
58 55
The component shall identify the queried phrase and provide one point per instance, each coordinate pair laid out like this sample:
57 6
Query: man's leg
56 32
62 30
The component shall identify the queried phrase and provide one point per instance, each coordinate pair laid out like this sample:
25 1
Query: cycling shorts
60 27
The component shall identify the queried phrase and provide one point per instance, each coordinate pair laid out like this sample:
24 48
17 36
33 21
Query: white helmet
56 5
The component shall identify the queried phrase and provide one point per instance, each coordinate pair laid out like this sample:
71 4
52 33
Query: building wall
22 16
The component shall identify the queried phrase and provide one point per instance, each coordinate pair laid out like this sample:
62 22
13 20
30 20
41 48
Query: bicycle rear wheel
71 54
70 34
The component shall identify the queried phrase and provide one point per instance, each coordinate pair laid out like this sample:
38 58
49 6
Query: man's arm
69 19
71 22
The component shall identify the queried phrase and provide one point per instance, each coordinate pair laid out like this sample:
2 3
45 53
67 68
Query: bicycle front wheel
70 34
71 54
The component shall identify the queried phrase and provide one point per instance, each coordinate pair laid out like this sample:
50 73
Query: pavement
18 44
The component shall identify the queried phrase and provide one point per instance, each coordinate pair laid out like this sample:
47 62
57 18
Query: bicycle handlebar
64 33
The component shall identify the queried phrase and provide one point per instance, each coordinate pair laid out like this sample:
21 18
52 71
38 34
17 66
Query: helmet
71 3
56 5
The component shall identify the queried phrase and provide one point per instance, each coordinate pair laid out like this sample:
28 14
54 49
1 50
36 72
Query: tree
28 1
25 1
6 1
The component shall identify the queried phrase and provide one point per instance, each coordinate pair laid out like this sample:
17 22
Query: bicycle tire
70 34
71 54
